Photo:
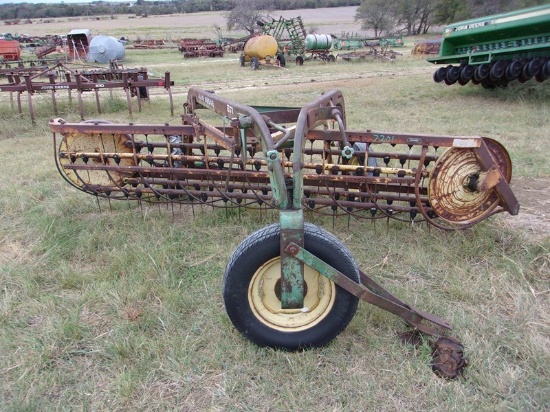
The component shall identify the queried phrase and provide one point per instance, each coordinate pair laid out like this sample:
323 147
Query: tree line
412 17
13 11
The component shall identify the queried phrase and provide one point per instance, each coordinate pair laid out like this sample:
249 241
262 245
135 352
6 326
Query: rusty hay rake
292 284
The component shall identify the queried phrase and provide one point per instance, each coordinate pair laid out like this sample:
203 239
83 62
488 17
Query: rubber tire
281 59
241 61
254 63
482 72
452 75
497 71
532 68
513 70
466 74
259 248
300 61
439 74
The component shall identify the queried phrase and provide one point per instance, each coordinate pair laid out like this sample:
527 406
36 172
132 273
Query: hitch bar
371 292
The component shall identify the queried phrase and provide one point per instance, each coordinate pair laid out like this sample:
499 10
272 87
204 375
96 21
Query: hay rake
292 284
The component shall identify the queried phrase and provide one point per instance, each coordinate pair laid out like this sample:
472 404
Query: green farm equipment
495 50
392 41
292 284
289 33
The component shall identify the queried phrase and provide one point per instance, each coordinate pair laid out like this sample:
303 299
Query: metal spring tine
98 204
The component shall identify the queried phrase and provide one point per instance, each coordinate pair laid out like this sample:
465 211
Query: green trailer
495 50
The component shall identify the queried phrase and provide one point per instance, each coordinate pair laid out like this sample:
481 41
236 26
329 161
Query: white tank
103 49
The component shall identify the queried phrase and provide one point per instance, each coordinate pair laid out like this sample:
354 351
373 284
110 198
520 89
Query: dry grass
121 309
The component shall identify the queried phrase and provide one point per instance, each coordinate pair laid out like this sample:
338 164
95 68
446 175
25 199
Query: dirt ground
198 25
534 216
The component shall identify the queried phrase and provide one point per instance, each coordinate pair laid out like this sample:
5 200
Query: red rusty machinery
134 82
200 48
10 50
449 182
426 47
78 41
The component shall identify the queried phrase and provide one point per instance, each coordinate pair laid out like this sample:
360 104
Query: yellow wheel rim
266 304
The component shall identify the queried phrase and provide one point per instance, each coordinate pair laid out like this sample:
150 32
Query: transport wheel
523 77
77 142
331 58
513 70
241 61
439 74
281 60
497 71
251 291
482 72
466 74
452 75
532 68
453 189
254 63
488 84
540 77
300 61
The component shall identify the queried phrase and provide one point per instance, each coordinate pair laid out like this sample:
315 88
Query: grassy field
120 308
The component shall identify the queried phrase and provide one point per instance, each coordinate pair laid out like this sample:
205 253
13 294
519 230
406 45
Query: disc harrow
292 284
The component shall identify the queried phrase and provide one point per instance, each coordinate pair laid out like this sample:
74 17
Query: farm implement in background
135 83
496 50
199 48
290 34
292 284
261 50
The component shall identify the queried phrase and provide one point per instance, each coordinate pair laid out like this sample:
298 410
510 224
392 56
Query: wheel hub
264 298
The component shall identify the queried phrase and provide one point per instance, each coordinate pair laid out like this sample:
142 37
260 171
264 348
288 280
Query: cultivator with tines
292 160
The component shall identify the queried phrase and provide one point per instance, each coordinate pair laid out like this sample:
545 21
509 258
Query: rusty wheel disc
452 190
78 143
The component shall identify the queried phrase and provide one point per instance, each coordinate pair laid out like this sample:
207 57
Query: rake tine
98 204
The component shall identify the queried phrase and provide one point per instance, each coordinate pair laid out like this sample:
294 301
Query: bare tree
415 15
376 15
246 14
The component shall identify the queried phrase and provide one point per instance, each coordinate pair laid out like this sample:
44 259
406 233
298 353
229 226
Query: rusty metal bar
129 80
370 291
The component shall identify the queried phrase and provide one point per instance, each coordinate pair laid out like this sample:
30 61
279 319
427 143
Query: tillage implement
495 50
292 284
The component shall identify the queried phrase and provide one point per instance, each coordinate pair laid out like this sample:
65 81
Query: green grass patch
118 306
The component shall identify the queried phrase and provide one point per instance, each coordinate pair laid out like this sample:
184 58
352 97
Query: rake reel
292 284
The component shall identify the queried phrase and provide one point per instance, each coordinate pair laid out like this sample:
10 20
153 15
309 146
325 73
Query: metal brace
370 291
